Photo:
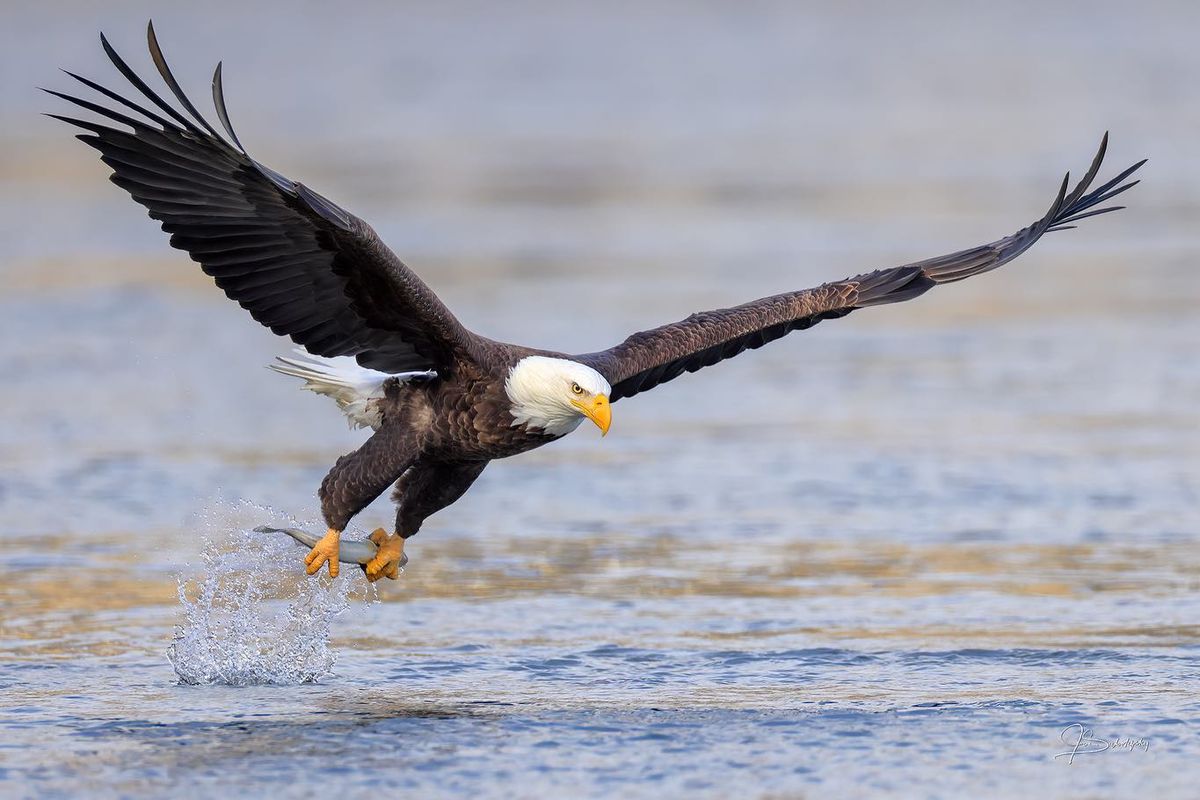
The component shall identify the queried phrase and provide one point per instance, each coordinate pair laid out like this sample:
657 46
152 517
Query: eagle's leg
325 550
386 563
358 478
422 490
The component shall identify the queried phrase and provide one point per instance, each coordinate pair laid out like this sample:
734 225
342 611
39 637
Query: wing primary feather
141 86
116 116
165 71
109 93
1121 177
1057 205
218 90
1101 195
1066 221
87 125
1090 175
1094 213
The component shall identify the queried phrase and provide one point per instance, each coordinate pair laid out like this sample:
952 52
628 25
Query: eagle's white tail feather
356 389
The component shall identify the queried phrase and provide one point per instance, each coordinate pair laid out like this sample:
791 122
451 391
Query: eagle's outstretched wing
298 263
649 358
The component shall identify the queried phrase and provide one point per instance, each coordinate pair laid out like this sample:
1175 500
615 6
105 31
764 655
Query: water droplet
251 615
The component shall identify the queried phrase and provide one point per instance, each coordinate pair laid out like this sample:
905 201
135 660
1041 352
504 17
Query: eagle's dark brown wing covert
649 358
298 263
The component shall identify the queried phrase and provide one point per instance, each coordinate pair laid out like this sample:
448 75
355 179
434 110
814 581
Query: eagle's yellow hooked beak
598 411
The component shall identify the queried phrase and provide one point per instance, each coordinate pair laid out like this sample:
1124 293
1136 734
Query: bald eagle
442 401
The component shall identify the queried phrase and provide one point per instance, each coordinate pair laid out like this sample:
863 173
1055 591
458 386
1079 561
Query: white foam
251 615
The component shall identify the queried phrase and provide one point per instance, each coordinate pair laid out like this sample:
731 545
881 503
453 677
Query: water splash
252 616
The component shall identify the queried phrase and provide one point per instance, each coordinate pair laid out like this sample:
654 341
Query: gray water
900 554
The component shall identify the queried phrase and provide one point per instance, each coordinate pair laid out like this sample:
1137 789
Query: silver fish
350 551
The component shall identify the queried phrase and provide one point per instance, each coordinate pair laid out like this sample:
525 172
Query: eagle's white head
554 395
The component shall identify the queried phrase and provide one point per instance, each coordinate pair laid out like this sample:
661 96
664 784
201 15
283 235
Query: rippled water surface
900 554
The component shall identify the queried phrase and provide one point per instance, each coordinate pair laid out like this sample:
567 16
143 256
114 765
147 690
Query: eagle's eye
576 388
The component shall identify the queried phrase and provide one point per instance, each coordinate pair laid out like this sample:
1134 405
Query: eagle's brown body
437 436
310 270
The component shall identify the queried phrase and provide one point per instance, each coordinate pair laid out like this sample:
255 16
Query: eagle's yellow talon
325 551
386 563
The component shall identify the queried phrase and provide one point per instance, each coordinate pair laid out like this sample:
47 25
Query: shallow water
899 554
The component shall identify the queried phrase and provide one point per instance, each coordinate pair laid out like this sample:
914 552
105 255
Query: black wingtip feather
218 90
1090 175
109 93
1129 171
1056 206
116 116
142 87
1084 215
1068 207
95 127
164 70
1077 205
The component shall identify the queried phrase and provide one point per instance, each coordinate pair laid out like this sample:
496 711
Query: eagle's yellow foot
389 559
325 550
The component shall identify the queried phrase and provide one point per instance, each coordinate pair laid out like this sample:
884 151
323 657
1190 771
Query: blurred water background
898 554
